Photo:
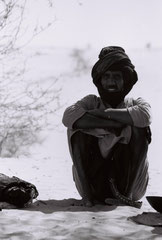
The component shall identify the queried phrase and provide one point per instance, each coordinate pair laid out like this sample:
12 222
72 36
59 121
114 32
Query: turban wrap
114 58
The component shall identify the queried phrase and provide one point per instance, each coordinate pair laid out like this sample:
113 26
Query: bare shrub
24 106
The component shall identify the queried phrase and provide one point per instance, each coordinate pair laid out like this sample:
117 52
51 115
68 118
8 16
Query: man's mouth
112 88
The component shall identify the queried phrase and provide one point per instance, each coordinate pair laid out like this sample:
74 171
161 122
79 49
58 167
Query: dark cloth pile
16 191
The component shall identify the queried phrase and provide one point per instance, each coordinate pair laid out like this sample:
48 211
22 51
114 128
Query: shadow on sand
65 205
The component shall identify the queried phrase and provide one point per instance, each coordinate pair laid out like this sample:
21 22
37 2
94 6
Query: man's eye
117 76
107 76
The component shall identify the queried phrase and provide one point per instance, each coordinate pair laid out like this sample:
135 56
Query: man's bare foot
87 202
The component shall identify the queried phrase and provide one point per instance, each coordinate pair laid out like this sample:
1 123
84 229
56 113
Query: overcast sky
129 23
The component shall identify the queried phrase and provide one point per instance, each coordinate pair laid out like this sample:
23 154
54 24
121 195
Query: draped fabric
16 191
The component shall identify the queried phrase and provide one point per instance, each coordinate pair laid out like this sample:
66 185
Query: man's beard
112 98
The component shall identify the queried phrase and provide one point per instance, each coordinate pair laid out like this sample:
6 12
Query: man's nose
111 80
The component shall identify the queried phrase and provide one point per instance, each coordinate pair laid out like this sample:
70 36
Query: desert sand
53 216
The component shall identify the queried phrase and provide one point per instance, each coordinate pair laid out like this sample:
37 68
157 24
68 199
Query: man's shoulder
91 101
131 101
91 97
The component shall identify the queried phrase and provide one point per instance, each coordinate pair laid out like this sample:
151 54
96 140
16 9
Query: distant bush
80 60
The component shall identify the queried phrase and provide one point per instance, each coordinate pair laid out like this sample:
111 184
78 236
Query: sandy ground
52 215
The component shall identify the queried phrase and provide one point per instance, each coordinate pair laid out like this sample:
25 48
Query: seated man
109 135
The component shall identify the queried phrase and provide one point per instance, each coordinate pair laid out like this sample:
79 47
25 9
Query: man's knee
79 140
140 135
82 143
78 137
139 141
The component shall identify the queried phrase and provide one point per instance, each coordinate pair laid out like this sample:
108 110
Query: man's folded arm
90 121
120 115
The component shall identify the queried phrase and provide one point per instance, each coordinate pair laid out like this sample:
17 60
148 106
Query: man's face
112 81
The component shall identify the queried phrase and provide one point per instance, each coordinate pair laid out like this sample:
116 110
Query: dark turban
114 58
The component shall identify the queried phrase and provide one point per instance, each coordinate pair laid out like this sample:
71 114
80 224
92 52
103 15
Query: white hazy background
129 23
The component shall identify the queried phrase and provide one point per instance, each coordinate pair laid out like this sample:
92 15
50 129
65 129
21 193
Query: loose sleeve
77 110
140 113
